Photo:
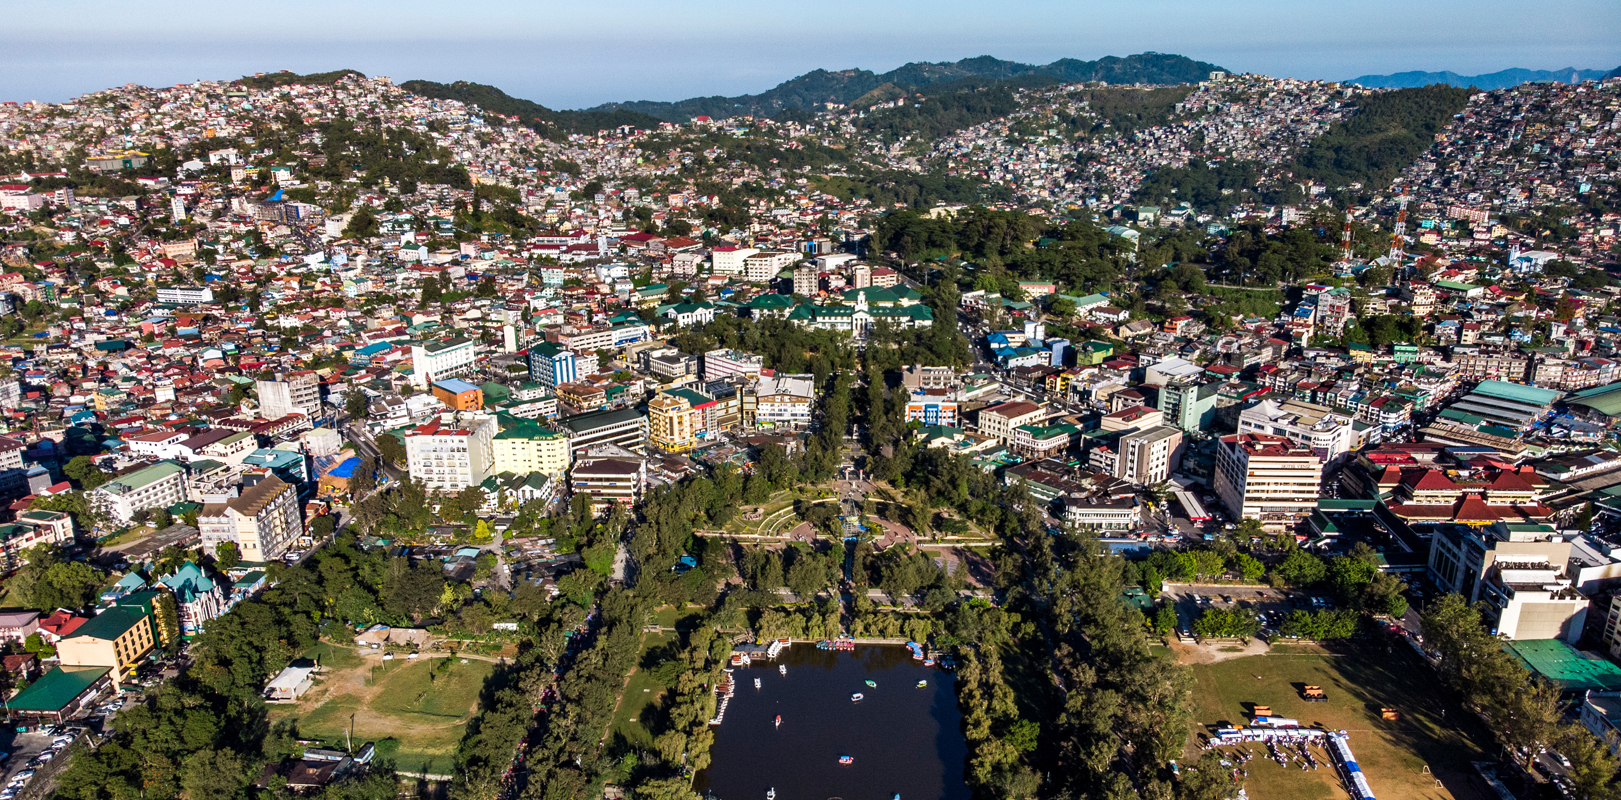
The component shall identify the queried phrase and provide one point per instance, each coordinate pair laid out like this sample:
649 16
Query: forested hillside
1386 133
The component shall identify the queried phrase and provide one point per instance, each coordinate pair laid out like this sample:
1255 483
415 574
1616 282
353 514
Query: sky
580 54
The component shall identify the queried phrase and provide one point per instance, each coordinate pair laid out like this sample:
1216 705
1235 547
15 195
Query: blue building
551 366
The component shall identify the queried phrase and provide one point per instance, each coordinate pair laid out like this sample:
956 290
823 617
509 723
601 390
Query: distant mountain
1494 80
546 121
847 86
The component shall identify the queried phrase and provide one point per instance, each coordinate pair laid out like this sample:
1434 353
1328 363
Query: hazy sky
579 54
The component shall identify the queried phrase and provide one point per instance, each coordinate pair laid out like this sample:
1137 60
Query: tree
213 775
1165 618
168 620
1248 566
354 403
227 554
392 449
84 472
1301 568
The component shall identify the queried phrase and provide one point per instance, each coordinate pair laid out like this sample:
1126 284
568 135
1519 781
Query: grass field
426 711
1393 754
641 698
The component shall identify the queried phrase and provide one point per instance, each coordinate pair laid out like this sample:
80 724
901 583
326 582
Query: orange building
459 394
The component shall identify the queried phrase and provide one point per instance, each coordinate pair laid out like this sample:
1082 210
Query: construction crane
1396 234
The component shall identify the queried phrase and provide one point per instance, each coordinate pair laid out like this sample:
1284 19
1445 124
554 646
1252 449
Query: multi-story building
1000 421
762 267
435 361
1148 456
728 260
458 395
264 521
932 407
524 446
31 529
1487 363
551 366
13 475
807 280
784 400
1189 404
198 598
917 377
609 480
451 457
158 486
672 422
1510 405
1521 573
1330 435
118 639
294 393
185 295
623 427
724 363
1267 478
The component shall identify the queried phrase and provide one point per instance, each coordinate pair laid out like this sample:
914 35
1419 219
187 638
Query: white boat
756 683
782 669
771 794
857 697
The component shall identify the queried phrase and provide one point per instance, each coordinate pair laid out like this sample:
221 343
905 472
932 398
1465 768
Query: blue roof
456 385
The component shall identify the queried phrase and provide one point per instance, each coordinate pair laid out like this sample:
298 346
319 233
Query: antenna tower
1396 234
1345 240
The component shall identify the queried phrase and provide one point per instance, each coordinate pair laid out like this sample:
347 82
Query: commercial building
1330 435
524 446
435 361
159 486
60 694
458 395
672 422
1519 570
264 521
1000 421
1148 456
1189 404
932 407
609 480
1267 478
724 363
451 457
784 400
624 427
32 528
1509 405
117 639
551 366
185 295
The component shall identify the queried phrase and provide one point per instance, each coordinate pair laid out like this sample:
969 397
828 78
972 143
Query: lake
904 739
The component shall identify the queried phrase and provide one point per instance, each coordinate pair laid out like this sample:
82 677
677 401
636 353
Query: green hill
271 80
1386 133
846 86
546 121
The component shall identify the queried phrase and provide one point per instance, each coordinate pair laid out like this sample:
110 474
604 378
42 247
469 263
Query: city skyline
570 57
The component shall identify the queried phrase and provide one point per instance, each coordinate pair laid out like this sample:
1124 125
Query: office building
624 427
449 457
999 421
435 361
1267 478
1330 435
159 486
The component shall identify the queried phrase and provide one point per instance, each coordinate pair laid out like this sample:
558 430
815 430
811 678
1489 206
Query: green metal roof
1604 399
1567 667
109 624
57 688
1517 392
1329 504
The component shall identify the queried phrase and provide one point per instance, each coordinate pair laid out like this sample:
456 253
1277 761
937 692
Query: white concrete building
1267 478
434 361
452 457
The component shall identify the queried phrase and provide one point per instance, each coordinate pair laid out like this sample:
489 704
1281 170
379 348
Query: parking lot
1191 601
32 751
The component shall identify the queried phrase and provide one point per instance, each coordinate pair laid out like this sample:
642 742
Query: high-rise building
1148 456
264 521
1267 478
1327 433
807 281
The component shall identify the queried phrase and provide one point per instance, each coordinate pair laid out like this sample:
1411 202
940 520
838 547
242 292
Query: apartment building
264 521
435 361
762 267
1148 456
1267 478
185 295
1000 421
807 280
449 457
13 475
159 486
32 528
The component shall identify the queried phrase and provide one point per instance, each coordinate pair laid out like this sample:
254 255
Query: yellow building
673 423
117 638
525 446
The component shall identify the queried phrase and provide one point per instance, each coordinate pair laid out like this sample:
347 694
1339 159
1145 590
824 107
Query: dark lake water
904 739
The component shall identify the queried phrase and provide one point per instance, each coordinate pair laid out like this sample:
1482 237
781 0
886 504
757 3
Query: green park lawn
1393 754
641 698
427 713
